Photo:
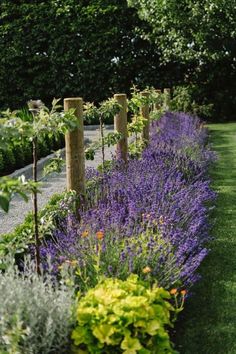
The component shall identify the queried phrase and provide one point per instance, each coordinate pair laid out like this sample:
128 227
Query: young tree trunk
120 122
144 110
35 206
103 145
157 106
167 93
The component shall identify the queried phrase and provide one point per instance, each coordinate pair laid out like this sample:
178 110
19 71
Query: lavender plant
153 212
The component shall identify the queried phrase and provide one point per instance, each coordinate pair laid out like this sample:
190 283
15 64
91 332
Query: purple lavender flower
154 211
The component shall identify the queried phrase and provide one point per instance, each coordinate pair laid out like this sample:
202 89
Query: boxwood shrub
19 155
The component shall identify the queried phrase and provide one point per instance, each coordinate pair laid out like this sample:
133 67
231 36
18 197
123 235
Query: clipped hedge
19 155
74 48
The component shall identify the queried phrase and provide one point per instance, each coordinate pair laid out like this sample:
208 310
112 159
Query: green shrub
123 317
96 28
2 165
9 160
27 148
37 317
19 154
43 149
18 242
49 143
183 101
18 151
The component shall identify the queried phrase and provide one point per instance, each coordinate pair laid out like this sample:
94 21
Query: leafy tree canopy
200 30
200 35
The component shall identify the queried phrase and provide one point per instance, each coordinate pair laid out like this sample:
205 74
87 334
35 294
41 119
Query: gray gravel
55 183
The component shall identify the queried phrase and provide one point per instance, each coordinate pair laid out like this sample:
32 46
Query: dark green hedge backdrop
65 48
59 48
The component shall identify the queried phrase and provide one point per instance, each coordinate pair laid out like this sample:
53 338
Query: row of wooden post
75 157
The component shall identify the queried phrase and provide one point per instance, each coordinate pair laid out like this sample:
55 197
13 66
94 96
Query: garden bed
148 217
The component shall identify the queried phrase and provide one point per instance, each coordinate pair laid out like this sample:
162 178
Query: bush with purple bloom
153 211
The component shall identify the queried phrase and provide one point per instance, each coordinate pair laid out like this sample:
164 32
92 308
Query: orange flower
183 292
173 291
146 270
85 233
100 235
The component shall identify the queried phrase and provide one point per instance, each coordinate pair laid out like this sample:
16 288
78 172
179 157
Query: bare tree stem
35 207
103 147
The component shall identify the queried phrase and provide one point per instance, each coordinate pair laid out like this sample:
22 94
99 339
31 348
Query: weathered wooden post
157 105
145 113
167 98
75 160
120 123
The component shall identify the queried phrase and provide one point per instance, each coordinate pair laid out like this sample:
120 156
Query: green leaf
144 351
79 336
130 345
23 196
103 333
4 201
152 327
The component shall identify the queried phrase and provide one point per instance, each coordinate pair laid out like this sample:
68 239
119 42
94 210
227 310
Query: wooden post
120 123
75 160
157 105
145 113
167 99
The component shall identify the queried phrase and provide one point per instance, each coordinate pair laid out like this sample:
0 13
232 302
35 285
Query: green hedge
19 155
74 48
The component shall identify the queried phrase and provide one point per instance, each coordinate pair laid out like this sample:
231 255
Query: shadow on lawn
208 323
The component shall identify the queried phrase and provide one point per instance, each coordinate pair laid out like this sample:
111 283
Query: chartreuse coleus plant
34 124
123 317
106 110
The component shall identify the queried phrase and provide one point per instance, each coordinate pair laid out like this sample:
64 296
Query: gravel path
55 183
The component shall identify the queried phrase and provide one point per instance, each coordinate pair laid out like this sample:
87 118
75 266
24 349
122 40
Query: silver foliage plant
36 313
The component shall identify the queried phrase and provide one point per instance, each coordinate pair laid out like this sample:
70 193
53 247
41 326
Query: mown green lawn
208 323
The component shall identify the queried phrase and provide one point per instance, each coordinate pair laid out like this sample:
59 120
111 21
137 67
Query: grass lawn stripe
208 323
